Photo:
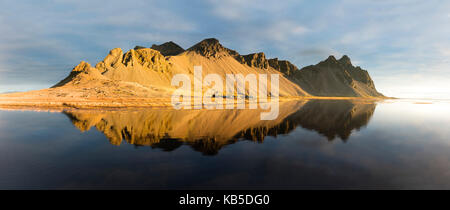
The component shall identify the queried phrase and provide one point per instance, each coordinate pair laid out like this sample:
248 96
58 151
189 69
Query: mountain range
146 73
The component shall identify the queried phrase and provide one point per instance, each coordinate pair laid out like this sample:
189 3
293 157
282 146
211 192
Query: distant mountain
168 48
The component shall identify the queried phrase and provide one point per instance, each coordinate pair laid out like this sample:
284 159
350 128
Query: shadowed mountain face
283 66
333 77
168 48
208 131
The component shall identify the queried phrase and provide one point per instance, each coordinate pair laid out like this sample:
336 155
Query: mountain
257 60
168 48
142 77
211 48
149 68
217 59
283 66
339 78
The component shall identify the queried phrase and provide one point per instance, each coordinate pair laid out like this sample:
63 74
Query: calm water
397 144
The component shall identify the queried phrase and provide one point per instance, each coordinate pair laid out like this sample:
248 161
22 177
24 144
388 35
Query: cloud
40 38
318 51
245 10
231 10
158 19
258 25
388 38
393 40
414 85
444 51
282 31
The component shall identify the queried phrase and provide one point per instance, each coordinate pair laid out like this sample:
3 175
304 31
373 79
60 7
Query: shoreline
52 104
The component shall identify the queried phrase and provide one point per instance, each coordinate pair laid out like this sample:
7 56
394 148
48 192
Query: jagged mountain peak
331 58
345 60
330 61
82 67
211 47
333 77
83 72
255 60
283 66
210 41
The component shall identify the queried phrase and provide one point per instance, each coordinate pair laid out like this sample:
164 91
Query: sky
404 45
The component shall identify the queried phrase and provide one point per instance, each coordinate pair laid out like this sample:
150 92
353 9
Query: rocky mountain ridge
153 67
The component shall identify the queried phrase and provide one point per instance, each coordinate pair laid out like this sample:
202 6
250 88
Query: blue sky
404 45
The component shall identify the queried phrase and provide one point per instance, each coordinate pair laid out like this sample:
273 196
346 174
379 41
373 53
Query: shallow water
396 144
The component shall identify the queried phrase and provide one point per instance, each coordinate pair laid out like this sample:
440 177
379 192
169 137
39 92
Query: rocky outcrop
333 77
283 66
83 72
143 57
168 48
257 60
356 72
147 58
143 66
211 48
112 60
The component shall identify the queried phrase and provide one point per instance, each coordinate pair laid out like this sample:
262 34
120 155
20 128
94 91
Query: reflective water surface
317 144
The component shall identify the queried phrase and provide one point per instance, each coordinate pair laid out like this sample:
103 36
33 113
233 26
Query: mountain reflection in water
208 131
